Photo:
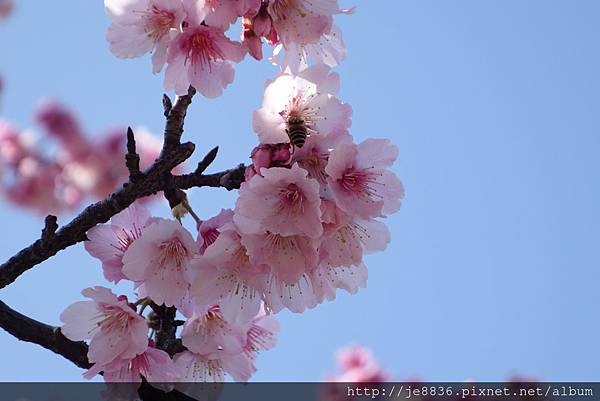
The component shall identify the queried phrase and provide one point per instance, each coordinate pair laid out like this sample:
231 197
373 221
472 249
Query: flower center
277 244
116 318
291 199
315 164
171 252
364 183
202 50
157 22
298 108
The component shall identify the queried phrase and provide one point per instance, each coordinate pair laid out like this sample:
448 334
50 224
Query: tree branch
141 184
49 337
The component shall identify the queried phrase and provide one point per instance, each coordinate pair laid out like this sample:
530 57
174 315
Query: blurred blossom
80 167
6 8
357 365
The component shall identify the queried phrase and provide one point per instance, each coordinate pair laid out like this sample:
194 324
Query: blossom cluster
159 256
308 212
189 36
79 168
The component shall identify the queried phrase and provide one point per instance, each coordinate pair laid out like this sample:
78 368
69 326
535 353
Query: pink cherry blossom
201 56
360 181
140 26
313 156
196 368
207 333
289 260
346 238
115 329
282 201
209 230
160 259
329 50
225 275
260 335
216 346
311 96
155 365
108 242
267 156
305 29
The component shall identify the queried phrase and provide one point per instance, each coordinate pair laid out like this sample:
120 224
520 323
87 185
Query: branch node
50 227
132 159
233 178
167 105
207 160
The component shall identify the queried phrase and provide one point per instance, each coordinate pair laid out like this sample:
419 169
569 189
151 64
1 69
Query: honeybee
297 131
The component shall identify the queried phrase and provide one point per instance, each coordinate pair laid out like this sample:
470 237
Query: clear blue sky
494 263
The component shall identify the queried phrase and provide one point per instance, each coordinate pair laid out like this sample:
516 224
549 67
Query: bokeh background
493 269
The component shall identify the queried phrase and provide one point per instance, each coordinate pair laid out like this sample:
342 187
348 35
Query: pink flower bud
261 157
282 153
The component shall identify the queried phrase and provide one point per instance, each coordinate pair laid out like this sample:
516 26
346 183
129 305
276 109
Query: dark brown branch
49 337
228 179
175 119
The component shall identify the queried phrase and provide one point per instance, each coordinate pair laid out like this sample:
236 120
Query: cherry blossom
282 201
314 155
160 259
289 260
305 29
216 346
153 364
360 181
201 56
225 275
141 26
108 242
115 329
310 96
209 230
207 333
199 369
